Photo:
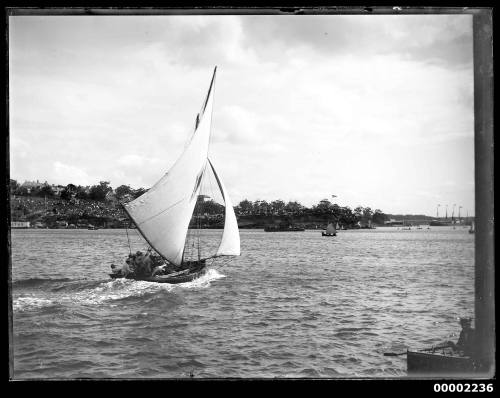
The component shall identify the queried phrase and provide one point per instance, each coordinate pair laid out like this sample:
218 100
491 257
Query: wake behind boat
163 214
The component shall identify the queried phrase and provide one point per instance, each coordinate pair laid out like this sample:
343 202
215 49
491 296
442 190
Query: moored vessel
442 363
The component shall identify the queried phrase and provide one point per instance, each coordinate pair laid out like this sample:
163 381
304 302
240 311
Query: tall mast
199 206
162 214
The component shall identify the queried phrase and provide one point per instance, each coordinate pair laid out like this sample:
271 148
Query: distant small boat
330 230
472 228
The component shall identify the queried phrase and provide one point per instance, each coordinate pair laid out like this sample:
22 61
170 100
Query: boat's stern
434 364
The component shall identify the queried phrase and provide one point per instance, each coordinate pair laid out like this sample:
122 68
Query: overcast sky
377 110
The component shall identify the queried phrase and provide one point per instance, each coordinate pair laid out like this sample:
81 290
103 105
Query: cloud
65 174
445 39
366 108
131 160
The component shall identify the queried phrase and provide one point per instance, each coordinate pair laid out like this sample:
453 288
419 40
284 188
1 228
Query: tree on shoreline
343 215
325 209
99 192
122 191
13 185
68 192
139 192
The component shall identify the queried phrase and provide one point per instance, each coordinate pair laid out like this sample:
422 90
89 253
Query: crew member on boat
159 269
141 262
125 270
466 340
148 264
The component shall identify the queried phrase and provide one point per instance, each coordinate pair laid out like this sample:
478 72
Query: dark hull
325 234
171 278
423 363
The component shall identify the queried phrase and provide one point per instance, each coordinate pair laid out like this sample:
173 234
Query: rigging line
224 201
128 239
200 210
190 235
201 206
212 192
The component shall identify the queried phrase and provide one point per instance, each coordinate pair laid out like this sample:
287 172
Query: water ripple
293 305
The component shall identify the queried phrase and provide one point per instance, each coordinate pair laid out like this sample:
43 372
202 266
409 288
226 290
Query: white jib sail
163 213
230 243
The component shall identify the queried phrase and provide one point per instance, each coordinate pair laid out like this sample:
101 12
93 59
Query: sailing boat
472 227
162 215
330 230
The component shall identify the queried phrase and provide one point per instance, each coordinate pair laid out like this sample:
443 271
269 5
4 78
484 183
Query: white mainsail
330 229
163 213
230 243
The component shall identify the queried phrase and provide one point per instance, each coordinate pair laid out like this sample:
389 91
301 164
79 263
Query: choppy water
295 304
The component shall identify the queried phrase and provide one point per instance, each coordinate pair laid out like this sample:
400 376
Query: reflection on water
293 305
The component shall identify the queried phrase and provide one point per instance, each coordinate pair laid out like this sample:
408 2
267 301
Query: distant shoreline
58 213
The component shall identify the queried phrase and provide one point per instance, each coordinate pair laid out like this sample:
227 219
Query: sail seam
163 211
